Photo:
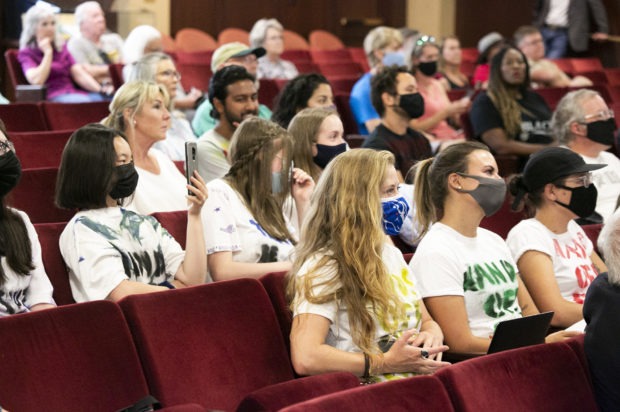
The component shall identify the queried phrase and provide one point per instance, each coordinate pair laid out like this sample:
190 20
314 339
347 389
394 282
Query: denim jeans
556 42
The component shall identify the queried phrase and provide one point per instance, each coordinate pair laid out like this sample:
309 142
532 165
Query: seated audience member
24 286
305 90
147 39
159 68
488 46
317 138
45 60
438 109
410 37
381 46
450 64
554 256
140 111
396 98
246 231
267 33
93 47
508 116
355 305
583 122
465 273
233 97
543 72
601 310
112 252
229 54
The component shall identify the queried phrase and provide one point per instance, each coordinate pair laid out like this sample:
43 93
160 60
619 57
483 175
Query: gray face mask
489 194
276 182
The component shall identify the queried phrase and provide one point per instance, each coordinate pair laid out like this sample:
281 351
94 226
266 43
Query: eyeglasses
584 180
425 39
6 146
602 115
170 73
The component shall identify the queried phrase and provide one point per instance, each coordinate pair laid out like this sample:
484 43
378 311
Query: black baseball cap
552 163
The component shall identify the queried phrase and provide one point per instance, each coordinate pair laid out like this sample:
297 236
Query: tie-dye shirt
339 334
103 247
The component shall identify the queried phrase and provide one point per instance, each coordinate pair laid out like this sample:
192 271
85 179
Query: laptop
524 331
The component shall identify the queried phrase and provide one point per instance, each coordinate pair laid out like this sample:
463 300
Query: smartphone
191 149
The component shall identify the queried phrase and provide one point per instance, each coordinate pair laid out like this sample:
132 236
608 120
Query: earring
460 187
134 122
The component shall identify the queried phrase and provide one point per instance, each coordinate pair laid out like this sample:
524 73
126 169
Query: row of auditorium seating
218 346
46 116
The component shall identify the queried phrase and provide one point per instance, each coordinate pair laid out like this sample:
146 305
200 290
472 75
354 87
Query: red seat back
23 117
209 344
331 56
504 219
269 90
324 40
541 377
40 149
348 69
586 64
63 116
175 223
191 40
197 57
275 285
346 115
296 55
195 75
233 34
49 235
34 195
294 40
420 393
72 358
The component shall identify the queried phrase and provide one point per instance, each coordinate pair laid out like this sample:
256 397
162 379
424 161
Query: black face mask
325 153
602 131
10 172
428 68
127 181
582 200
412 104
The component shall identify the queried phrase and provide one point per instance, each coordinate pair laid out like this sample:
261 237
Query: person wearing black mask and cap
395 96
583 122
24 285
555 257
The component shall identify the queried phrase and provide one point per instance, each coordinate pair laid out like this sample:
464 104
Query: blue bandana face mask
395 210
393 59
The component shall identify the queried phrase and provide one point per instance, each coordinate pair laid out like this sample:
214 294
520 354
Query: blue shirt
361 104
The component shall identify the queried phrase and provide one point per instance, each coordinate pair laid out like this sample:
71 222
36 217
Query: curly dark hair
294 97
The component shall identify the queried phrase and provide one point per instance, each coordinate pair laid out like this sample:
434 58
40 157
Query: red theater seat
49 235
64 116
40 149
324 40
23 117
331 56
275 286
175 223
195 75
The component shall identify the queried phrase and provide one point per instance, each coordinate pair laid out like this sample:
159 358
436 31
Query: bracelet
366 375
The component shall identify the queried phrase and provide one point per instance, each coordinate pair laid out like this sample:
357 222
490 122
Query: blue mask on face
393 58
395 210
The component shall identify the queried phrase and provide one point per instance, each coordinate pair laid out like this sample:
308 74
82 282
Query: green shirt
203 122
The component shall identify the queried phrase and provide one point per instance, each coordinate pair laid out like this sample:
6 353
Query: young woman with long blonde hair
354 300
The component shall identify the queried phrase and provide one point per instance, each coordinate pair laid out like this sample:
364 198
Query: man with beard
233 96
395 96
93 47
227 55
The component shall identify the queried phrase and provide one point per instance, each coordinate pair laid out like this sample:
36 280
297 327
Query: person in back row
381 46
112 252
396 98
233 98
583 122
268 35
229 54
24 285
306 90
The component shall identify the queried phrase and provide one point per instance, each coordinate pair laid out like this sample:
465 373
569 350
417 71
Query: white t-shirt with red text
569 251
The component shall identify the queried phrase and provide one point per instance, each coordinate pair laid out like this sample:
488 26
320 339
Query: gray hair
259 31
380 38
145 69
138 38
569 110
611 248
28 37
82 9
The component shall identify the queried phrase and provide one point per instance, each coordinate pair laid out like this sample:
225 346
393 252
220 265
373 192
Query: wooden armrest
30 93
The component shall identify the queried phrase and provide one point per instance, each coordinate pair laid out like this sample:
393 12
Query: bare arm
301 190
222 267
536 268
451 315
84 79
497 140
100 72
42 306
38 75
453 109
128 287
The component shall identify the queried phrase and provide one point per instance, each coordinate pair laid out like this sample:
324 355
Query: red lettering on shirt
558 249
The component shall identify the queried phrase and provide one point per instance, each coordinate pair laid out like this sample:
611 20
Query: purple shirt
59 80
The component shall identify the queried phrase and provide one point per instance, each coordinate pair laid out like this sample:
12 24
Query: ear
388 100
127 114
454 181
378 54
219 105
549 192
578 129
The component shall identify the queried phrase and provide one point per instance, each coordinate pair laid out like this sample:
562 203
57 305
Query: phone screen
191 149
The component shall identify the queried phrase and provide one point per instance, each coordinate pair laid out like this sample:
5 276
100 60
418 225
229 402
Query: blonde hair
304 128
431 181
133 95
380 38
343 224
253 147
